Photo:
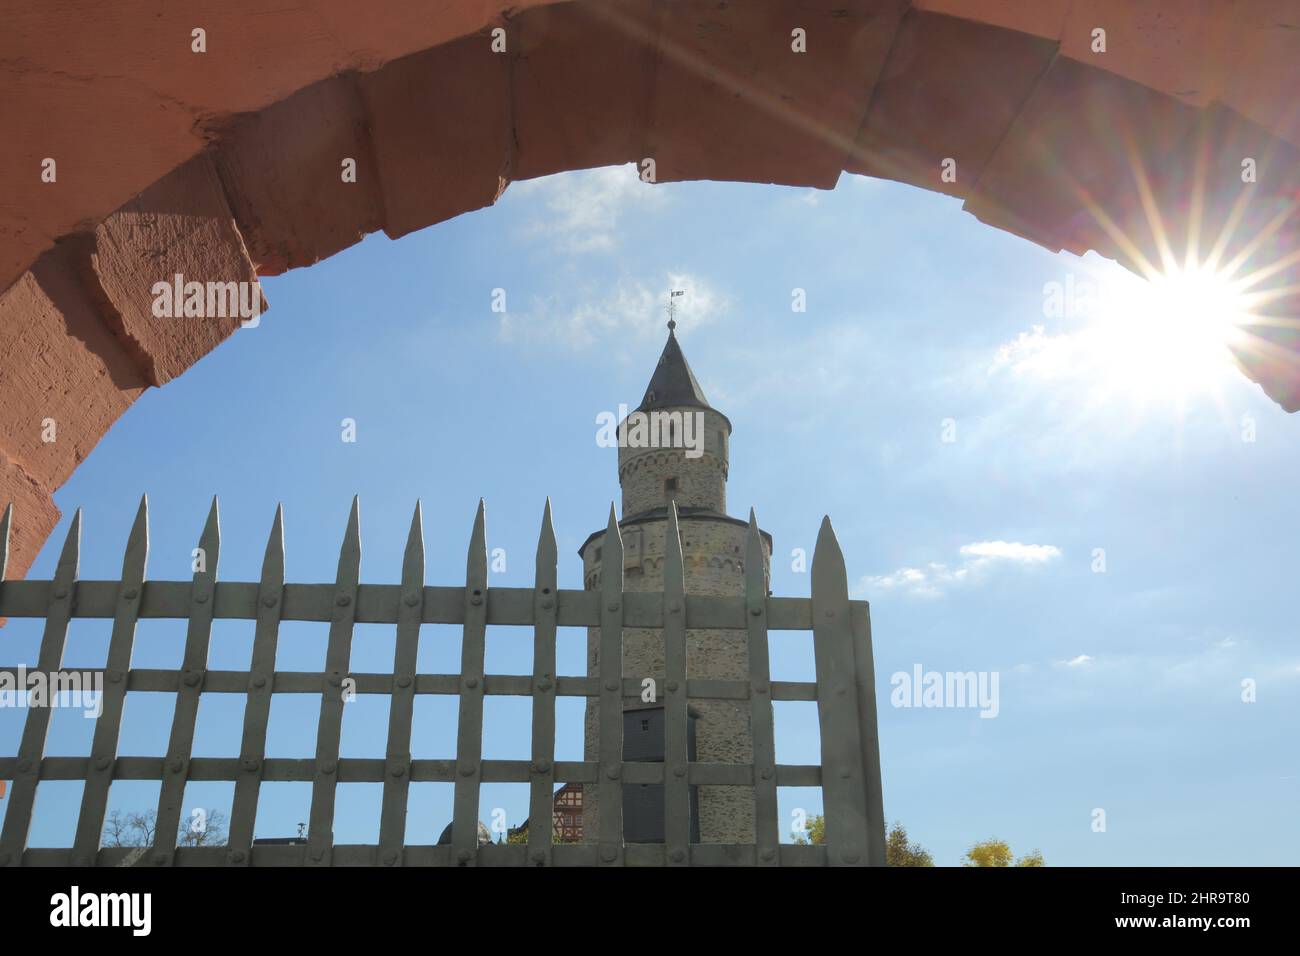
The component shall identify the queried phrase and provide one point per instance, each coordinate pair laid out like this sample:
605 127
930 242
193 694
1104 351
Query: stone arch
225 165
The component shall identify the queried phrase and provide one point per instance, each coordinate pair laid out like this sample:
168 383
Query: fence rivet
259 681
250 764
191 679
679 771
612 771
850 857
318 855
404 681
412 599
343 600
756 611
830 613
390 858
467 770
761 687
60 593
177 765
237 856
115 677
613 605
336 678
677 855
327 767
130 594
81 861
672 686
201 598
270 600
609 854
548 603
767 854
539 857
845 773
464 856
542 767
674 608
476 598
160 858
766 773
544 685
398 771
471 682
102 763
25 766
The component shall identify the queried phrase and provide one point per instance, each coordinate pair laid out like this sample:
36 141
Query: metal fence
849 772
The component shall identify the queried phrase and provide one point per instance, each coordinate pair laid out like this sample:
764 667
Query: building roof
673 382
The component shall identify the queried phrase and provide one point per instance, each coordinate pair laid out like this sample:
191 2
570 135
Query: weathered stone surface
1038 188
734 101
127 81
35 516
440 131
282 169
581 86
84 72
61 364
1040 18
949 90
181 226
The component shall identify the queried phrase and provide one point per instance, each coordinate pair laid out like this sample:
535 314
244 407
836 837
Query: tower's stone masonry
689 467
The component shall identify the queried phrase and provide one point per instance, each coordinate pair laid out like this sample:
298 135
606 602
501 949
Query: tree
203 828
994 852
898 851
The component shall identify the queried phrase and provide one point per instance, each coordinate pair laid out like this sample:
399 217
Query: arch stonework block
282 170
440 129
950 89
61 364
582 86
35 516
733 101
183 227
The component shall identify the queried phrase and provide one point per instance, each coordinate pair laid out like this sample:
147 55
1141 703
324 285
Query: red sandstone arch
225 165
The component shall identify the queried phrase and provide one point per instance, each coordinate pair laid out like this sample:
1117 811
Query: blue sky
1119 690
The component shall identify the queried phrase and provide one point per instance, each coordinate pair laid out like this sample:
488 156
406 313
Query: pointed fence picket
849 771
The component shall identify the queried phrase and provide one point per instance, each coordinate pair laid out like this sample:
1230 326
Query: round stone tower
674 447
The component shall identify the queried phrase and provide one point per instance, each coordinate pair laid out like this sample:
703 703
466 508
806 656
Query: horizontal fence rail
849 772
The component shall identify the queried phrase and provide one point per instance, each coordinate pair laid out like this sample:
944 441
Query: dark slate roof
673 382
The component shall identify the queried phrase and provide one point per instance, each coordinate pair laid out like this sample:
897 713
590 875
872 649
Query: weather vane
672 307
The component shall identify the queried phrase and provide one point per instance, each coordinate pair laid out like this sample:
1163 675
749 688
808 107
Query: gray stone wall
643 471
713 560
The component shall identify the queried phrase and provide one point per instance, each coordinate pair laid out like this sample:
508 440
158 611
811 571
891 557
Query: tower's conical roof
673 382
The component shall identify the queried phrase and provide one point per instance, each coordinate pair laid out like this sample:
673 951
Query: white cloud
1078 661
1011 551
584 207
631 310
977 559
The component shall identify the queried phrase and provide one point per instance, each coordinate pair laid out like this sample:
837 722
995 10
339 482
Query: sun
1169 336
